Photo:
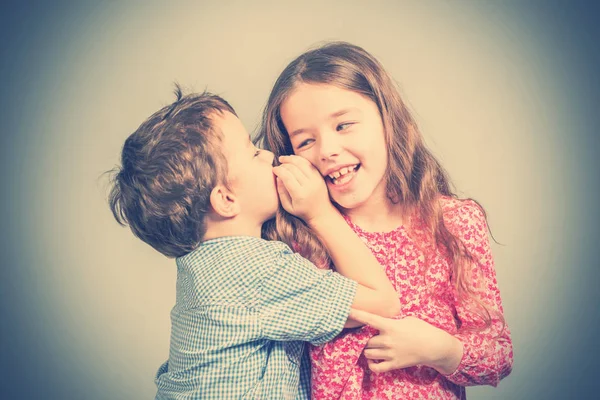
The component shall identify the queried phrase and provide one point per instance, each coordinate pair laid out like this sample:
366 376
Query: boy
194 187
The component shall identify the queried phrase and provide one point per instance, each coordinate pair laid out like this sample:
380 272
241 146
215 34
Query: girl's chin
347 203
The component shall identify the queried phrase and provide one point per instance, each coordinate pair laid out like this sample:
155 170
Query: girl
338 108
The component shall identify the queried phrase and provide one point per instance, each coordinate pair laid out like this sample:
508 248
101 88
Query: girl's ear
224 202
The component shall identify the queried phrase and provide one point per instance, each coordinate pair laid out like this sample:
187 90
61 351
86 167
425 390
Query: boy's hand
302 189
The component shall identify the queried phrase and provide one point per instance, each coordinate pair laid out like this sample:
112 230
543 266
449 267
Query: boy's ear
224 202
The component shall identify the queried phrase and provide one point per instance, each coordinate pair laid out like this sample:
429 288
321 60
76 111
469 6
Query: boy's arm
303 193
298 301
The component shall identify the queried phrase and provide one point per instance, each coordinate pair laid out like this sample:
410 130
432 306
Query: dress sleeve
301 302
487 354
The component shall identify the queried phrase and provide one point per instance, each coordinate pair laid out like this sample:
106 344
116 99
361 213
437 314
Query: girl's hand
407 342
302 189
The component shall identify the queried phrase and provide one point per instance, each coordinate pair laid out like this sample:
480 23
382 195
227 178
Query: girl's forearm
352 257
447 354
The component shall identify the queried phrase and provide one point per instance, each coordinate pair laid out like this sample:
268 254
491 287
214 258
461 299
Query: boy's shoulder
237 243
235 253
230 270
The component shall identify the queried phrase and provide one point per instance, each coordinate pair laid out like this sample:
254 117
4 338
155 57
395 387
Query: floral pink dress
421 275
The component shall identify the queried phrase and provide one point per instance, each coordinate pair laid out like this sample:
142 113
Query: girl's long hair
414 177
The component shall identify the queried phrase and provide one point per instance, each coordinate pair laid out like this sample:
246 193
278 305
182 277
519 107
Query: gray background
506 94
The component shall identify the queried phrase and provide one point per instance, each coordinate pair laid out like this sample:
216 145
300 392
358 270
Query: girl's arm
354 260
303 193
487 354
472 357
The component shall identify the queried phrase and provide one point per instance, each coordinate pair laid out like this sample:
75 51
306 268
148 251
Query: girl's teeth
342 176
341 172
343 179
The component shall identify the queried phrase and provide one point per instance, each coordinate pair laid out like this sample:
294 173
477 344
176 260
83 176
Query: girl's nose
329 146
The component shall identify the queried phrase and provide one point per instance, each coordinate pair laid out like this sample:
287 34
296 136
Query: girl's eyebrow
332 116
297 132
343 111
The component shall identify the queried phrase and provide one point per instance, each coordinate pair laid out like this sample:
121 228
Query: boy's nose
269 156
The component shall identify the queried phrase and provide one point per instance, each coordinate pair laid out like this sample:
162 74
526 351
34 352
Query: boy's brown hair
169 167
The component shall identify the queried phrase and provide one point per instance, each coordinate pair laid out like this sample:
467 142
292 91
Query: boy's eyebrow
332 116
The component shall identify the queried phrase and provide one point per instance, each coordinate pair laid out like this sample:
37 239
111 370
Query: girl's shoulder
461 214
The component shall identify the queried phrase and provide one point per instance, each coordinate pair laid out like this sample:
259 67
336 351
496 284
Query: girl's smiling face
341 133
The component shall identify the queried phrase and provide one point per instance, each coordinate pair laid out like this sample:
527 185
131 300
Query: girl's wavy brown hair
414 177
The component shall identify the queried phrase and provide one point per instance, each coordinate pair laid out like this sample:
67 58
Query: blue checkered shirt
245 307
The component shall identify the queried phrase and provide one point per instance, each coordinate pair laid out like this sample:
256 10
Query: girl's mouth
343 175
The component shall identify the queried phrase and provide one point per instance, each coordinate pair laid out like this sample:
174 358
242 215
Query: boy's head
250 195
184 169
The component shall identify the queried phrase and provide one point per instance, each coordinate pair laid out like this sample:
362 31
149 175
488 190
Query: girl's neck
377 215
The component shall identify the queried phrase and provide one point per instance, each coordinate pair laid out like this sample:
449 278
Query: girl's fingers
284 195
288 178
301 163
377 354
378 342
295 171
367 318
379 367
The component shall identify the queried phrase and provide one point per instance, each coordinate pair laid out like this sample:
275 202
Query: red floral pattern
421 275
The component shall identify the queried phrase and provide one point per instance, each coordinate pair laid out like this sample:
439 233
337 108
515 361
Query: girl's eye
304 143
257 153
344 126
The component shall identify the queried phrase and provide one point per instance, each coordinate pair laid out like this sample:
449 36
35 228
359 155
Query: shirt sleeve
487 354
301 302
